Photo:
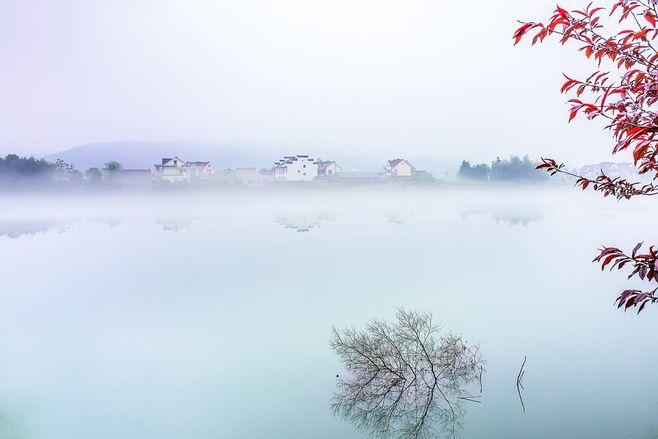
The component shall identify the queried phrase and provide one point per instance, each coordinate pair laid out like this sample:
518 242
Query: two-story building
296 168
173 170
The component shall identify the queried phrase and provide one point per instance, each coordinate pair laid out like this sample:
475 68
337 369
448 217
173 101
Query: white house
611 169
296 168
328 168
399 168
173 170
201 170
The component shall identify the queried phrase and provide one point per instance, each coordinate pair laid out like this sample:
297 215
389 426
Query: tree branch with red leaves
644 266
625 96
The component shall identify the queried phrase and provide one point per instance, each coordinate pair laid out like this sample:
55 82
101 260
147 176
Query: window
304 166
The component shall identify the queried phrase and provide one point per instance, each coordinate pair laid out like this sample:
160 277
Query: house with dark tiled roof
296 168
173 170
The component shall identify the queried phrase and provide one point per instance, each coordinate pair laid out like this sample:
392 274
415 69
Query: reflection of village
299 222
297 168
26 228
304 223
174 224
505 216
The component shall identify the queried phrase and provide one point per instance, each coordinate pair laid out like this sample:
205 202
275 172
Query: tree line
514 169
16 170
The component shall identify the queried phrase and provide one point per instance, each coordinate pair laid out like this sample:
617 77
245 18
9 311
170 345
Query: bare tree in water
405 379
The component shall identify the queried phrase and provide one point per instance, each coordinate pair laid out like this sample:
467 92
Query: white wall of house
280 173
401 169
332 168
404 169
173 171
201 170
297 168
302 169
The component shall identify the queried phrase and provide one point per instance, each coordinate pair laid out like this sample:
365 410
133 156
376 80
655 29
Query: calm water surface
209 315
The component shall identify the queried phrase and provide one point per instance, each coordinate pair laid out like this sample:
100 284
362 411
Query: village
299 169
289 169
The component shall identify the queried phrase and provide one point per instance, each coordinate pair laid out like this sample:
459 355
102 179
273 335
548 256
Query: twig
480 379
519 385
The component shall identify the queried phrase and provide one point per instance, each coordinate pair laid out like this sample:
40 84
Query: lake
209 314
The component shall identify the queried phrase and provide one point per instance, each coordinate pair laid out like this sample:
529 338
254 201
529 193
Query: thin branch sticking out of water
519 383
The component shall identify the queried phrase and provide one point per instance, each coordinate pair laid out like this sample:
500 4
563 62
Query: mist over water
209 314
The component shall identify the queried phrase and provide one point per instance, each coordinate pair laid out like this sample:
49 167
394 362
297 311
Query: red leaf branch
624 94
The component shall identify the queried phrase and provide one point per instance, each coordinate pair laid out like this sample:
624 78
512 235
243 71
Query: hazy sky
371 77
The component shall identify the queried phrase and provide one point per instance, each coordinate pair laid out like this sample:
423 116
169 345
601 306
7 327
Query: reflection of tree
398 216
406 379
19 229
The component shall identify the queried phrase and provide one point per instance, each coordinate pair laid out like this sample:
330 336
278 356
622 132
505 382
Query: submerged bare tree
405 379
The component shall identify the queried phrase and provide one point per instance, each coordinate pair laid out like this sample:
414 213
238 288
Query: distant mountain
143 155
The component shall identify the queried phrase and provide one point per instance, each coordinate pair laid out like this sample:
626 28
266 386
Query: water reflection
511 217
174 225
406 379
112 222
18 229
11 426
516 218
304 222
398 216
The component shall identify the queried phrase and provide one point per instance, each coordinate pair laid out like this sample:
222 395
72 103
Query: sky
370 77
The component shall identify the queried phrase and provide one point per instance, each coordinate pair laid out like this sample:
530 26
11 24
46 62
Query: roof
394 163
198 163
287 160
167 159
